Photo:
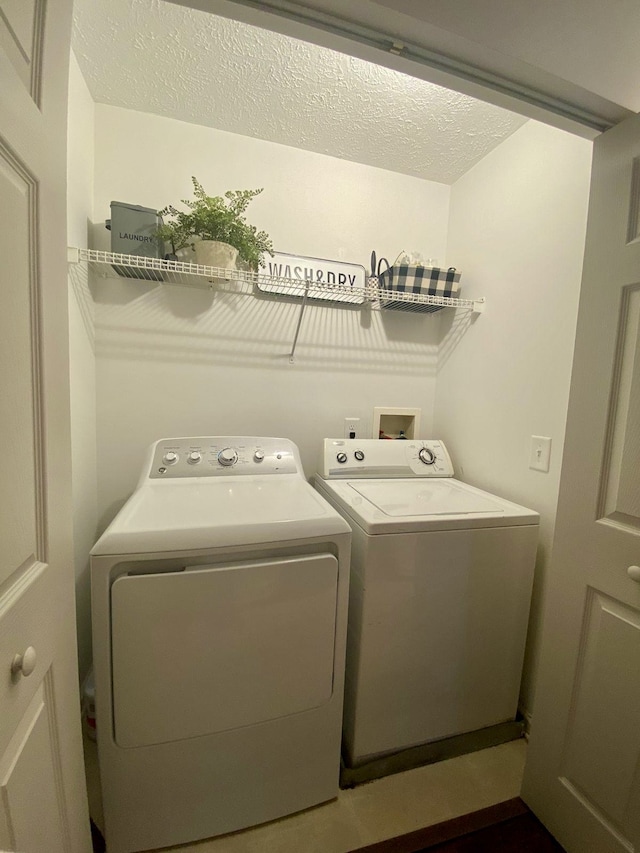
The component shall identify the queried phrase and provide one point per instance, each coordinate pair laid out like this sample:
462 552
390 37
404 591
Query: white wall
516 231
80 169
176 361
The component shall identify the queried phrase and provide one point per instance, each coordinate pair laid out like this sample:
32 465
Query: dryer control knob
227 457
359 455
170 458
194 457
342 458
427 456
258 456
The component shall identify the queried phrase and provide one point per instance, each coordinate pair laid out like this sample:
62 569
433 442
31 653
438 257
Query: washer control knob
194 457
342 458
227 457
258 456
359 454
427 456
170 458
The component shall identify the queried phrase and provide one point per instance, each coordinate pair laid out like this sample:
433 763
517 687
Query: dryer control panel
345 457
220 456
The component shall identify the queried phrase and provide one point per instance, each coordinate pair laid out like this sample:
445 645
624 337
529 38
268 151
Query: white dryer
441 577
219 597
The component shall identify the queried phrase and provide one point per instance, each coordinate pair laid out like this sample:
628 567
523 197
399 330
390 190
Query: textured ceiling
157 57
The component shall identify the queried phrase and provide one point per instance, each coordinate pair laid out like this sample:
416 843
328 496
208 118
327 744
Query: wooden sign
334 280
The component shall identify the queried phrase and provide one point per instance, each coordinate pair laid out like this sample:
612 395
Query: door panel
633 231
42 798
620 479
28 774
600 760
21 37
18 500
582 777
29 621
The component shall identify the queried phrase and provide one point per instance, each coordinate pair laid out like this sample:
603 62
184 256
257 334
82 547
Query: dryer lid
189 514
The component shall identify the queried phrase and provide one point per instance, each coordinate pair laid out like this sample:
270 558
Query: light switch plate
540 455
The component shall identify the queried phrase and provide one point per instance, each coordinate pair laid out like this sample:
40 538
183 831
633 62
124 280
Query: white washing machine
441 577
219 599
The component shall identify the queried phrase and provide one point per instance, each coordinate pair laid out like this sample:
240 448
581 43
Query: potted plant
218 222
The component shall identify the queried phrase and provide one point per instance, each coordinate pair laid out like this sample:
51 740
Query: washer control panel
220 456
345 457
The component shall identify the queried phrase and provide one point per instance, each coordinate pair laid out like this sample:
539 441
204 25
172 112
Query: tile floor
385 808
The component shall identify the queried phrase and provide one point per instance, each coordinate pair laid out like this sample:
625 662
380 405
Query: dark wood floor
523 834
506 828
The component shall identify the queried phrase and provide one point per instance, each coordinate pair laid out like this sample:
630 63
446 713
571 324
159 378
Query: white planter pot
212 253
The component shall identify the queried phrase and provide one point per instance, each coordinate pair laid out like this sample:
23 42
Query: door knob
25 663
634 573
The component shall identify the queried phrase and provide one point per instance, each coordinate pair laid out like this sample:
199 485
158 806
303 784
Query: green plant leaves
217 218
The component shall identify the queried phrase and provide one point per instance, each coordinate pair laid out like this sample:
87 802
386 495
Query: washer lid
412 506
425 497
197 513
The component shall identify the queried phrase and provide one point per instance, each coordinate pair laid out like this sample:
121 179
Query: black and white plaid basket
431 281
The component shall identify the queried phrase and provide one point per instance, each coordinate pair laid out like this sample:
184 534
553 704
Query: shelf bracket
478 306
297 332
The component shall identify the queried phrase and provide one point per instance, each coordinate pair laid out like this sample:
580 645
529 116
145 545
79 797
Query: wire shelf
114 265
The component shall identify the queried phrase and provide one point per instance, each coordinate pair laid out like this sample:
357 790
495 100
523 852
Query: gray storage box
133 233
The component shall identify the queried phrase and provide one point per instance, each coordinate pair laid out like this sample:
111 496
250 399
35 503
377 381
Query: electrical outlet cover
352 428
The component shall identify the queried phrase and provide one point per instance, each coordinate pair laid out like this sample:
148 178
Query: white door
42 790
583 770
